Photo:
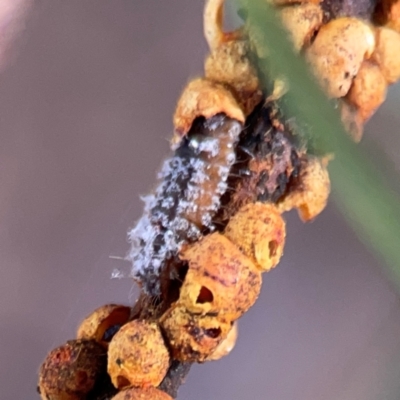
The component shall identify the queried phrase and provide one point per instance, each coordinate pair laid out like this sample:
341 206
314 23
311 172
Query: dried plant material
102 324
352 120
193 337
368 90
226 345
150 393
258 230
71 371
137 355
213 22
311 193
230 64
220 280
213 25
387 53
302 21
203 98
337 53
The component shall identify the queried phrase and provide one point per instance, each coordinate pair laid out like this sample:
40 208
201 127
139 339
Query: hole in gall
205 296
213 333
122 382
273 247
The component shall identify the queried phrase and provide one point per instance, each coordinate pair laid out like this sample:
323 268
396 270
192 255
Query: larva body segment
268 160
182 207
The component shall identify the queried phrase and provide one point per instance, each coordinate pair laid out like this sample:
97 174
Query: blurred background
86 101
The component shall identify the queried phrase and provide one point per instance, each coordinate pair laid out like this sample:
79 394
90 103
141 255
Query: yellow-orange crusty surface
193 337
368 90
258 230
150 393
137 355
106 317
70 371
226 345
311 193
302 21
202 97
230 64
338 51
387 53
220 278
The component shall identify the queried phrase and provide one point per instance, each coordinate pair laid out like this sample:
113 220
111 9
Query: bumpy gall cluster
213 225
353 59
223 281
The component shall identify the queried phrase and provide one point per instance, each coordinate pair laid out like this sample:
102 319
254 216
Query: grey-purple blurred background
85 117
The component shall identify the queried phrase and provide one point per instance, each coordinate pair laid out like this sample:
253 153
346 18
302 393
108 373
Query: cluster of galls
222 282
354 52
221 270
109 348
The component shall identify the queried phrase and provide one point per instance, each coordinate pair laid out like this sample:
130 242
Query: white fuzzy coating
185 200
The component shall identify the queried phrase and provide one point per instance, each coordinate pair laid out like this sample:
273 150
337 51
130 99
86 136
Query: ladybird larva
181 209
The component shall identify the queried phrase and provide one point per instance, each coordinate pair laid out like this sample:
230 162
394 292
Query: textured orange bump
230 64
71 371
226 345
368 90
258 230
220 280
137 355
193 337
338 51
302 21
150 393
387 53
97 325
311 194
203 98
